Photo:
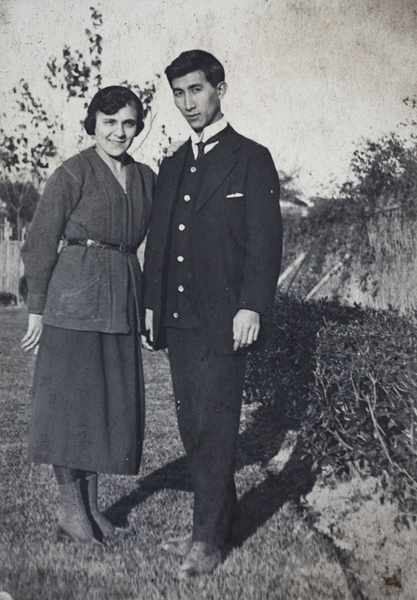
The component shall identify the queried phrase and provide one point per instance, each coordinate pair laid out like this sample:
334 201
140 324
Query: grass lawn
300 540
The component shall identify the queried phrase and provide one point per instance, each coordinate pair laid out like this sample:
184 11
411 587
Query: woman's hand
149 330
33 334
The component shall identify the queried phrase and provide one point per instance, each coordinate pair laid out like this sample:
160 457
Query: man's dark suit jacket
236 242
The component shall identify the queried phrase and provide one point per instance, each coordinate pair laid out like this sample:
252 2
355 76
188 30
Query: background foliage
368 226
34 139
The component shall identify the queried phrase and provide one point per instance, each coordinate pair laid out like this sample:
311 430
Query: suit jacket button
193 169
180 288
187 197
181 227
180 258
175 315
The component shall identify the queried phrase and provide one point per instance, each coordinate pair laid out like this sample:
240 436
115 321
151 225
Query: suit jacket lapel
220 166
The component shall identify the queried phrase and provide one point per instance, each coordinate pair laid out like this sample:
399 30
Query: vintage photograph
208 296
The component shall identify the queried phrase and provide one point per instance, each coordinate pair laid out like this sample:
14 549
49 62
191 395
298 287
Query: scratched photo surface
329 413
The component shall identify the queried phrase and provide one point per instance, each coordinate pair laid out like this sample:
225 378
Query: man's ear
221 89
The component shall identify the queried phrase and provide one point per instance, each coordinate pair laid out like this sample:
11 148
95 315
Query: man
211 268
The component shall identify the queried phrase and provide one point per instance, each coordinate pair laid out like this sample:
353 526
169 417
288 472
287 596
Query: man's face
197 99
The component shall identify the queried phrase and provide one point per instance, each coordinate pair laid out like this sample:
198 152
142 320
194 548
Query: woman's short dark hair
196 60
109 101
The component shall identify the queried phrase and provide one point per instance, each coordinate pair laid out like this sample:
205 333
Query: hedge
348 377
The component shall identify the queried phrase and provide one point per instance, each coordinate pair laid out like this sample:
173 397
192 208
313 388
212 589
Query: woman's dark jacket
80 287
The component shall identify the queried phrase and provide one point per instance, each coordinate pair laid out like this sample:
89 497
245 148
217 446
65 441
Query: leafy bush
362 408
283 371
348 379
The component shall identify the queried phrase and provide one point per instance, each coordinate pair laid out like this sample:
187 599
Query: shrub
348 378
283 371
362 408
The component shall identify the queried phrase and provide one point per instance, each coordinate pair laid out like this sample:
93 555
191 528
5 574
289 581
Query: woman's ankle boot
106 527
74 524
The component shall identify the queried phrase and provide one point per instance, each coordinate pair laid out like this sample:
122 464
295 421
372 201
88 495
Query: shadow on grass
277 379
172 476
260 441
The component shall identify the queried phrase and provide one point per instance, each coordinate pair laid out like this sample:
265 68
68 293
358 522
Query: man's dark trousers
208 393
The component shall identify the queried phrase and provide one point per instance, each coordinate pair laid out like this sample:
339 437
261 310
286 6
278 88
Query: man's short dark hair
109 101
196 60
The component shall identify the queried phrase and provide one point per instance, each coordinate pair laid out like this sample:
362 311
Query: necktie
202 145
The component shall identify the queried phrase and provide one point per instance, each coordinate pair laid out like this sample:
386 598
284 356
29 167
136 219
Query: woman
85 311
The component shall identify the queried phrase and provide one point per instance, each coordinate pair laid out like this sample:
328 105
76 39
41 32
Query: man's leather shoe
202 558
178 546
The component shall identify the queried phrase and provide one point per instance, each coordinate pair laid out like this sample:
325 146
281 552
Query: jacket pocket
82 303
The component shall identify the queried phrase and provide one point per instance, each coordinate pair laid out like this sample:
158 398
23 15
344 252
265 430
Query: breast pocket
235 210
234 195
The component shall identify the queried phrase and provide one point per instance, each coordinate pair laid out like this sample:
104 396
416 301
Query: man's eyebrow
189 87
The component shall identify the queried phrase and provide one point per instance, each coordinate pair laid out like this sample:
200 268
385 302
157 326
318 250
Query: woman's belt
123 248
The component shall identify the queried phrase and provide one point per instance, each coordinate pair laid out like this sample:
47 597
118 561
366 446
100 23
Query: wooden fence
11 267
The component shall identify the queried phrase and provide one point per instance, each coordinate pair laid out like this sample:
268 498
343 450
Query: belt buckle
125 248
94 244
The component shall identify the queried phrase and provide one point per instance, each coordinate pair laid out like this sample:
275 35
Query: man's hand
33 334
246 325
149 329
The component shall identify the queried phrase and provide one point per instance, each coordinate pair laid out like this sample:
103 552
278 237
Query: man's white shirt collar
207 133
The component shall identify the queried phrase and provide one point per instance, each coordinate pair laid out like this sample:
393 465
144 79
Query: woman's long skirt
88 406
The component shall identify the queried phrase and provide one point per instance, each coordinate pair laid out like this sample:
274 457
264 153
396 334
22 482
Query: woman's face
114 133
